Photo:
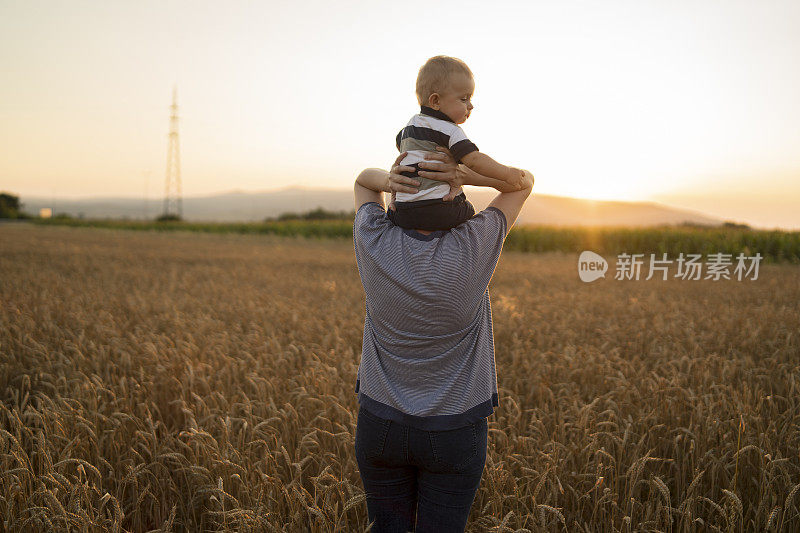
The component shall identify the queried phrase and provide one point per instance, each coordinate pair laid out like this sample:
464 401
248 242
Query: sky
691 104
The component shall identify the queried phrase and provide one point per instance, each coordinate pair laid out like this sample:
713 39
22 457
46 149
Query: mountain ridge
244 206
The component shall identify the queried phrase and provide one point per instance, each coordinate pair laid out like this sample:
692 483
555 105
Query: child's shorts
432 215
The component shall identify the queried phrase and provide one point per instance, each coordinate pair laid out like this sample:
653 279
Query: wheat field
205 382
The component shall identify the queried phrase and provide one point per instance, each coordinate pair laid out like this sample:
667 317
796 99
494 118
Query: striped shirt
427 357
425 130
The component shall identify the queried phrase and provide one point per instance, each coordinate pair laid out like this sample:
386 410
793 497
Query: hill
238 206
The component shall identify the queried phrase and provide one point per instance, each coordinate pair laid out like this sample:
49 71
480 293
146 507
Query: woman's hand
442 167
400 183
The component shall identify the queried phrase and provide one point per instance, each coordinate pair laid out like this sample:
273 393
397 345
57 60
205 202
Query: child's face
455 102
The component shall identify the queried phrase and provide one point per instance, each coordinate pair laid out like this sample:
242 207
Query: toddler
444 90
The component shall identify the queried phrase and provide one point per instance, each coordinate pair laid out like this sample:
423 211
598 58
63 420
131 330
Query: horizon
223 192
158 200
691 106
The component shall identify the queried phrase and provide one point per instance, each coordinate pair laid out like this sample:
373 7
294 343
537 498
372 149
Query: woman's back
428 351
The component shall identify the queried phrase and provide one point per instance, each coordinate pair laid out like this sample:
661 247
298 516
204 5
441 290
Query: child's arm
440 165
488 167
470 177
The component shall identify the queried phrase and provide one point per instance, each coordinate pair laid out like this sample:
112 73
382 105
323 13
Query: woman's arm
374 179
373 182
369 187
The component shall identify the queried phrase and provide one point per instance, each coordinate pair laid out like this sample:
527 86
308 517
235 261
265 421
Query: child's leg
433 215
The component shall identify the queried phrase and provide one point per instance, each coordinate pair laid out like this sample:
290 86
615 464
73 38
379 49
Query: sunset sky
692 104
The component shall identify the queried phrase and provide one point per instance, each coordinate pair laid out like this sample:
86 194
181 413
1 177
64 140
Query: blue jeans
415 478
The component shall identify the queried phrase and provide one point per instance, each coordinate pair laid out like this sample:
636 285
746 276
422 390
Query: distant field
205 382
774 246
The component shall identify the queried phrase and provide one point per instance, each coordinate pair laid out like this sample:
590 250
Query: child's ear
433 101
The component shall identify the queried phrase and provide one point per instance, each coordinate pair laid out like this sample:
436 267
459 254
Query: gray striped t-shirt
428 350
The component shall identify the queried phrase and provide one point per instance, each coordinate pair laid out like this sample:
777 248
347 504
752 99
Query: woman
427 380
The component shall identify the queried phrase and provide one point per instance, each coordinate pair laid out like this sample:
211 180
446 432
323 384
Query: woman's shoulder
487 224
370 219
487 229
369 211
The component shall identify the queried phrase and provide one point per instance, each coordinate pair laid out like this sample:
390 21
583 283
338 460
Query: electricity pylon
172 193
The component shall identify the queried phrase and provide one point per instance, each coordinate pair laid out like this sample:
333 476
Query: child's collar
435 113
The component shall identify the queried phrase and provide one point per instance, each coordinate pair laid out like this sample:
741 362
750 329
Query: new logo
591 266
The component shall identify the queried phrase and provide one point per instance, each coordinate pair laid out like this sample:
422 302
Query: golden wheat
193 382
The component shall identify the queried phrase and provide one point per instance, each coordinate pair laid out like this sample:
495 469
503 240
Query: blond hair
435 74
